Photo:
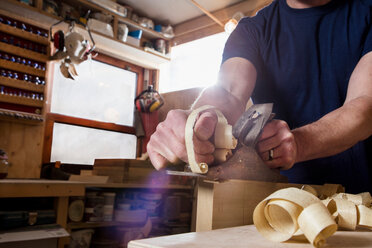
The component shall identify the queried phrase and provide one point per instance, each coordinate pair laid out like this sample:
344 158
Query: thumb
205 125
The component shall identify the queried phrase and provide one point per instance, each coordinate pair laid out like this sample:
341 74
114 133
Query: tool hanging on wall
149 100
72 47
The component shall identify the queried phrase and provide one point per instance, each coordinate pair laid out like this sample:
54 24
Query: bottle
4 165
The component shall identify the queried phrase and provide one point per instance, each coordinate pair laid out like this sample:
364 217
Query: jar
4 165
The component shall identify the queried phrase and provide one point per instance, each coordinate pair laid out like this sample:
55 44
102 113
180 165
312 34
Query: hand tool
245 162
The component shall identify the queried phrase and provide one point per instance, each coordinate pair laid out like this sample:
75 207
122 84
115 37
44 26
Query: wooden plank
91 123
21 68
21 84
24 18
61 205
247 236
40 188
21 100
23 53
181 99
89 178
148 33
204 206
20 117
36 12
23 144
24 34
202 26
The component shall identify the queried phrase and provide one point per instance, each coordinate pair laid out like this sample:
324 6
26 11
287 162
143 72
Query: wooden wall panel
23 144
181 99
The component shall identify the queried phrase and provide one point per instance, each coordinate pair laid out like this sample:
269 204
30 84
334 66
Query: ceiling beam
203 26
207 13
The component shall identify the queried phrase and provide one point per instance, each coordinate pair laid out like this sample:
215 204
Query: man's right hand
167 144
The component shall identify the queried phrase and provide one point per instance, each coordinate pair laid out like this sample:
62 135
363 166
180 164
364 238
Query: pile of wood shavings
298 214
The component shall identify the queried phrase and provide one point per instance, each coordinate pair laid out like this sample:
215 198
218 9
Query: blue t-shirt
304 59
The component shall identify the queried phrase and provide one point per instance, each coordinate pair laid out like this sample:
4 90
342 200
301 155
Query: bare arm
333 133
237 78
236 81
345 126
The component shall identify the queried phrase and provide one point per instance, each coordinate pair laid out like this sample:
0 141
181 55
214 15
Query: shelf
21 100
136 185
23 34
21 84
23 52
104 44
21 68
147 33
79 225
22 117
39 188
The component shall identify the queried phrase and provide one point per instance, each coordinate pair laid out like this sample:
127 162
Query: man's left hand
277 145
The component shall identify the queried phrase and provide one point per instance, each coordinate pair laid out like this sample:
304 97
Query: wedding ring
271 154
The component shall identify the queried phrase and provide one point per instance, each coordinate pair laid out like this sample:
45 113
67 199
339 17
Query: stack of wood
125 170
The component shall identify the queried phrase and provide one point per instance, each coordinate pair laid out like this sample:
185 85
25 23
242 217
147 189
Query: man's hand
277 139
167 144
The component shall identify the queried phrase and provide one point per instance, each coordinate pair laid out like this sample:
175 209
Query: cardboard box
133 41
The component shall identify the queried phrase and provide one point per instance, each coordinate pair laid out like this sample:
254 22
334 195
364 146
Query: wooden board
23 34
21 84
21 100
244 237
231 203
40 188
181 99
23 144
22 68
23 52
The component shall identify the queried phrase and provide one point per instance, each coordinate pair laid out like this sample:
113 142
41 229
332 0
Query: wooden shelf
104 44
19 116
39 188
147 33
21 68
21 84
23 52
136 185
23 34
21 100
79 225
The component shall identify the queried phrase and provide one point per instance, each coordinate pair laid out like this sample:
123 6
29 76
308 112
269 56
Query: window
193 64
92 117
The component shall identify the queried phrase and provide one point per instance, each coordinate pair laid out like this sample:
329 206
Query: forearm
227 103
236 81
336 131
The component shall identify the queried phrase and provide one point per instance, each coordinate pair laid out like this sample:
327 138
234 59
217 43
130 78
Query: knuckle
160 126
172 114
282 124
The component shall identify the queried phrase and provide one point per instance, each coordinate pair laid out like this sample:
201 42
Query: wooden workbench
60 190
246 236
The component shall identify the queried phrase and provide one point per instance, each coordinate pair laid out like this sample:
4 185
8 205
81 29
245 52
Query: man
313 60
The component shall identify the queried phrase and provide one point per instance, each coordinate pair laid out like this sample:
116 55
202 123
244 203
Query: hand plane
245 162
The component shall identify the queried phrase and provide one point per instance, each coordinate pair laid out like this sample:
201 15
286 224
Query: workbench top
247 236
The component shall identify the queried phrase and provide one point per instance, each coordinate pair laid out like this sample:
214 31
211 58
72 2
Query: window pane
81 145
102 93
193 64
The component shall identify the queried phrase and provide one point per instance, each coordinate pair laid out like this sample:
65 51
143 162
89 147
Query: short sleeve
243 43
368 41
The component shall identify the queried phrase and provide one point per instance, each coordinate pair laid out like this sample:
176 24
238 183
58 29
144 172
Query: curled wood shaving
223 139
289 213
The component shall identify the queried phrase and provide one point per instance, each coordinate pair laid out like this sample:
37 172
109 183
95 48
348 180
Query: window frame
51 118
